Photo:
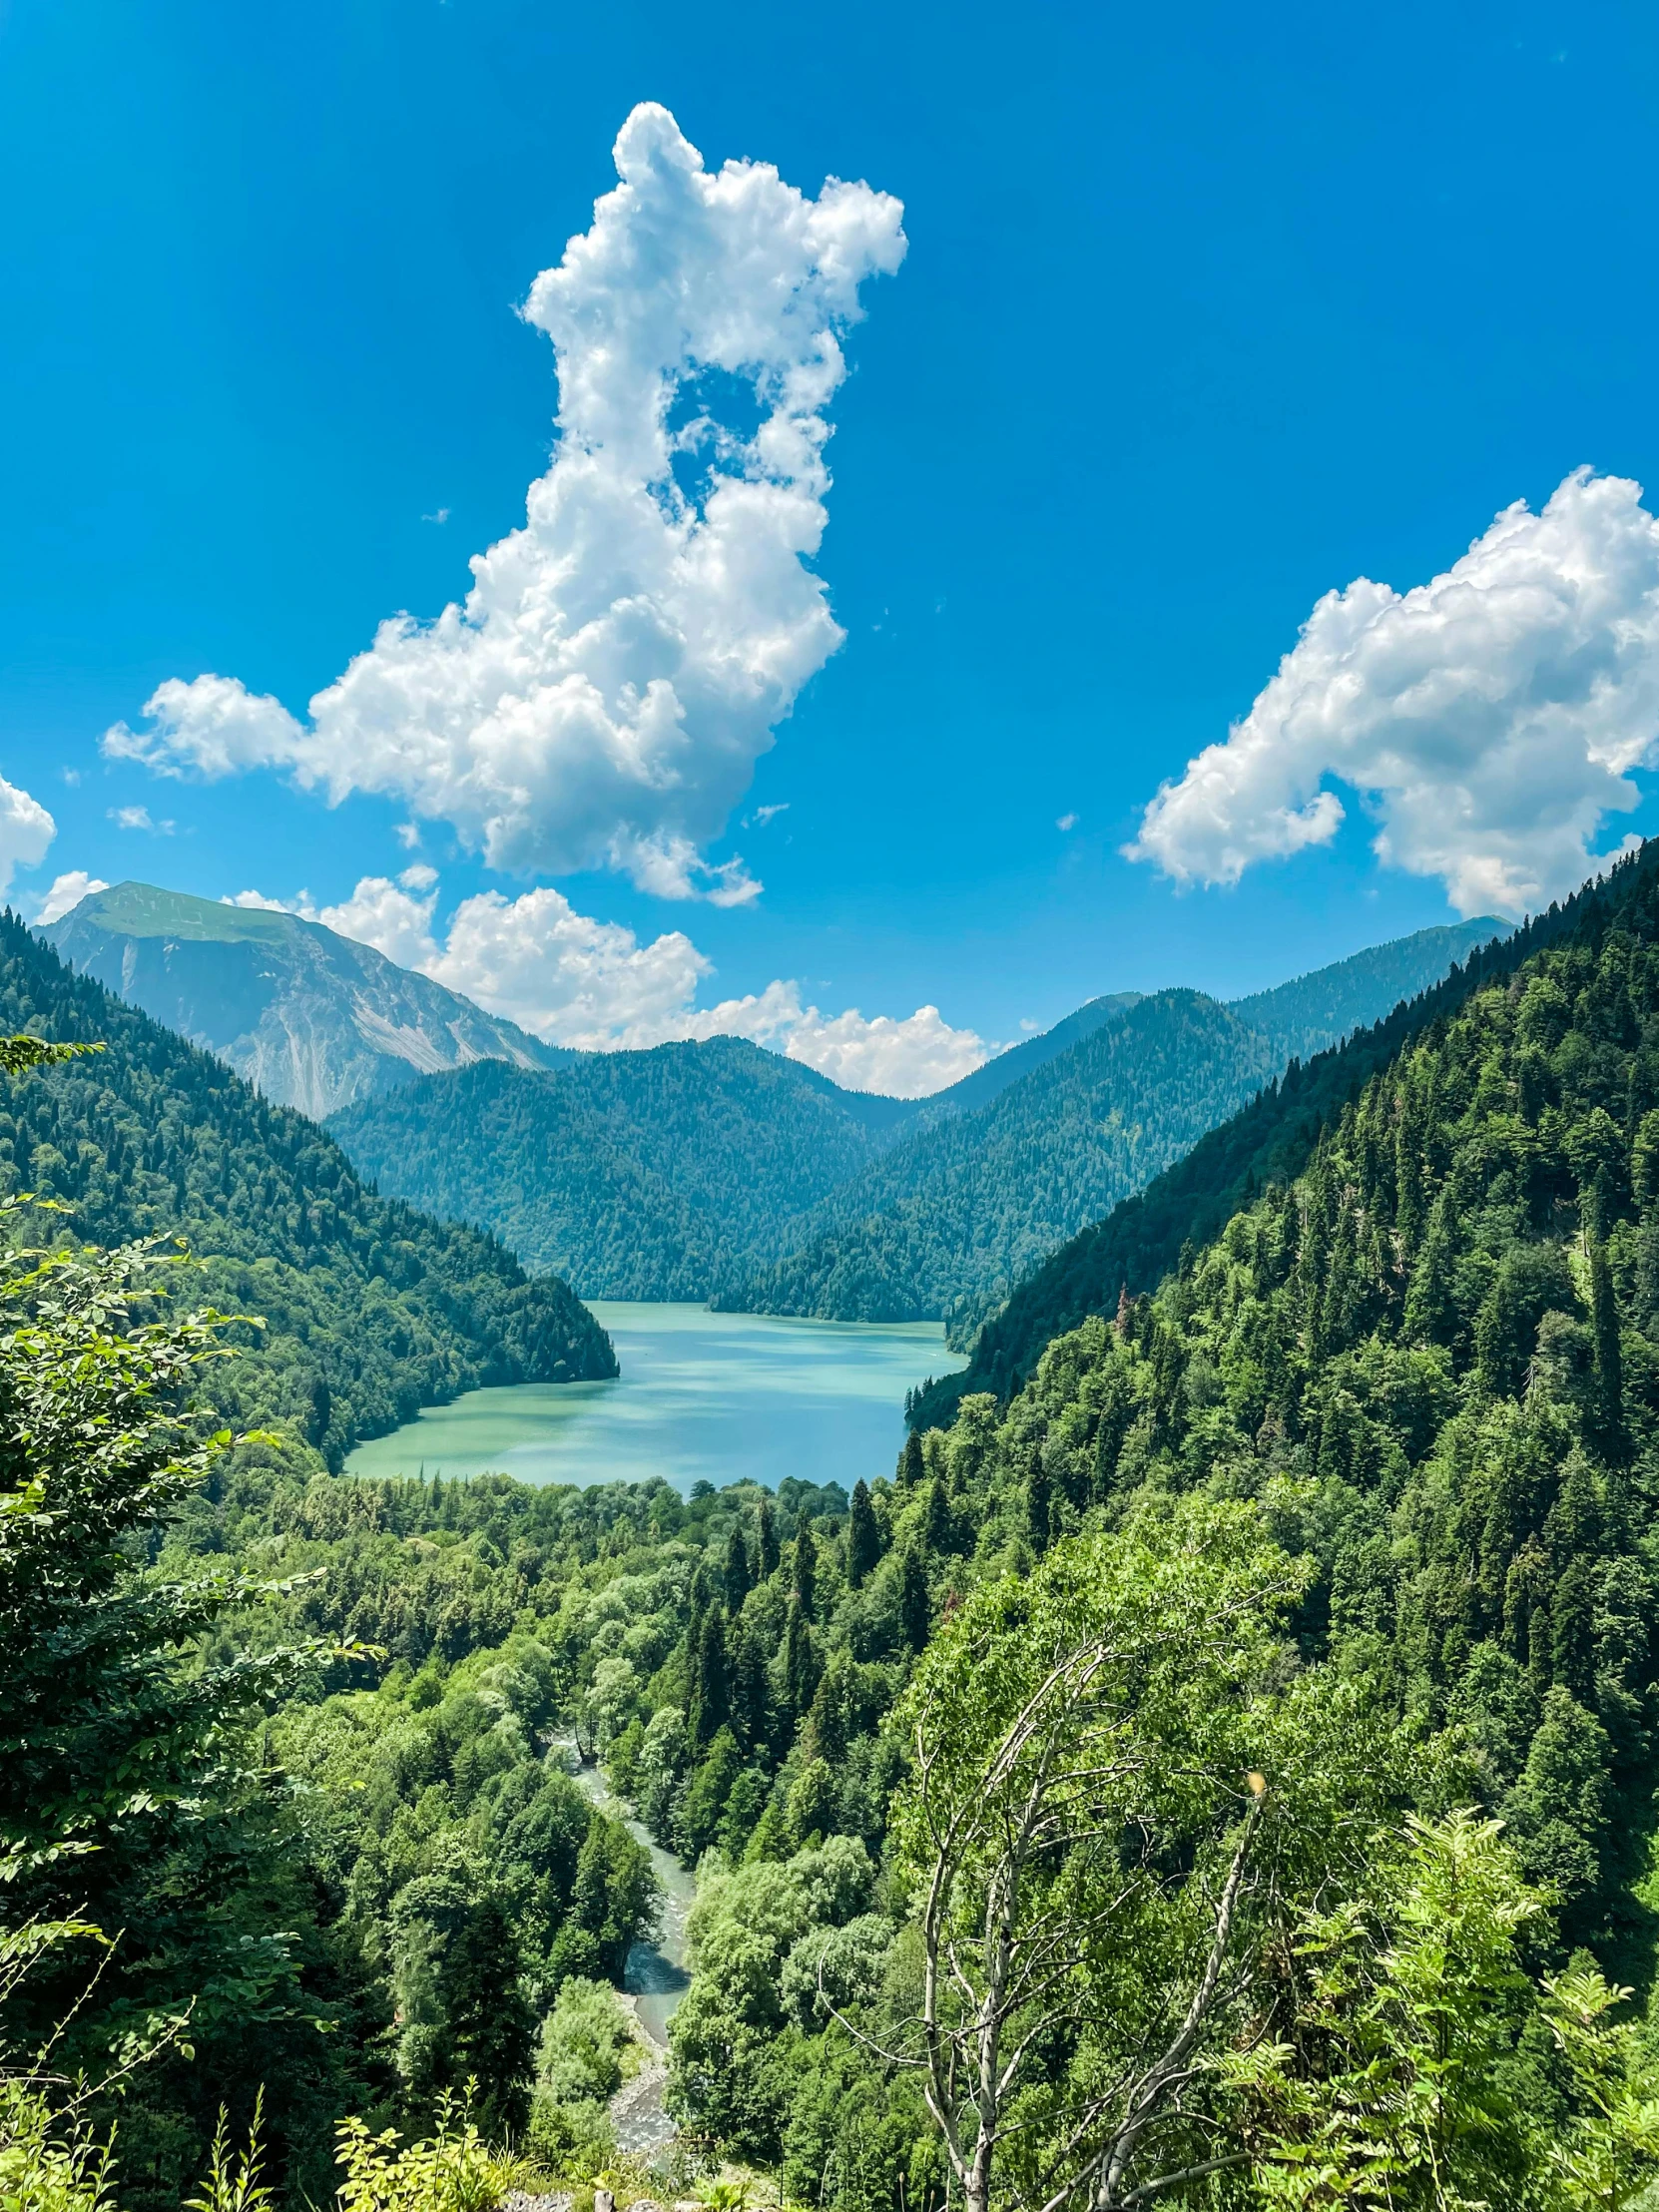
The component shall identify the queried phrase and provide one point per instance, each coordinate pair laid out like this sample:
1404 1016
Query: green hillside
633 1174
948 1220
1143 1237
372 1308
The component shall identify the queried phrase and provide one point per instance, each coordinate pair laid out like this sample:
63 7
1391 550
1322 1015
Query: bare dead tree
1037 1855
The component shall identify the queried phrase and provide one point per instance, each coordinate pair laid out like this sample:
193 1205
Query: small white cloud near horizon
621 661
65 893
138 818
594 986
1488 719
26 830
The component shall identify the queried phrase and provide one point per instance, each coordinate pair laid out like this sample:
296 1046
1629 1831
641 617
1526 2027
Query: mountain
311 1018
372 1308
1316 1010
1266 1141
947 1221
635 1174
718 1171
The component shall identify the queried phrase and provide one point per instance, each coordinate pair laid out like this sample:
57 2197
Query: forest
1216 1770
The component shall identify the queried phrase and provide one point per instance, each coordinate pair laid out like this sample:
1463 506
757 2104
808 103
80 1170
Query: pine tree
767 1540
1609 1363
863 1536
493 2031
911 1464
804 1581
800 1661
937 1534
711 1702
739 1575
914 1611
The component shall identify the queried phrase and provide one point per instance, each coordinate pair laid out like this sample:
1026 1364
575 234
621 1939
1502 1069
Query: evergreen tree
711 1697
801 1667
863 1536
911 1464
739 1575
767 1539
914 1609
804 1580
493 2031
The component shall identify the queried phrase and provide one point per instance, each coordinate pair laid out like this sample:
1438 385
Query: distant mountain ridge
1314 1012
717 1170
644 1175
311 1019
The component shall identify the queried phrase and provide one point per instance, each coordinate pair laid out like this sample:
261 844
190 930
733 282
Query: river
716 1398
656 1978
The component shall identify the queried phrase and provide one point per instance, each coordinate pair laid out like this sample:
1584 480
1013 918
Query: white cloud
138 818
1065 822
26 829
620 662
1489 718
912 1058
594 985
65 893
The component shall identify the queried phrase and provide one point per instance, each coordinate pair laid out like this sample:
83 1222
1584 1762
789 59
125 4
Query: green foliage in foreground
371 1310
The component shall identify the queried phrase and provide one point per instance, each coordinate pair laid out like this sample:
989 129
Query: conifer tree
804 1580
863 1536
712 1701
765 1533
739 1575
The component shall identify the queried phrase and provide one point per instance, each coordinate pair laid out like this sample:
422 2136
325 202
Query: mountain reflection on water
718 1398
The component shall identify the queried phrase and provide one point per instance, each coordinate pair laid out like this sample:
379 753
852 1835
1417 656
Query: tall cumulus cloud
603 693
1488 719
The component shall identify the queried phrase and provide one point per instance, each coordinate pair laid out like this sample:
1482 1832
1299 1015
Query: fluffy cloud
594 985
26 829
1489 718
906 1059
67 892
619 664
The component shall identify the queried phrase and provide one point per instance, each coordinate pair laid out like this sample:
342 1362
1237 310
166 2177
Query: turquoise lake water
719 1398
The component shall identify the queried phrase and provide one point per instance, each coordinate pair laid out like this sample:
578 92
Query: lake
716 1397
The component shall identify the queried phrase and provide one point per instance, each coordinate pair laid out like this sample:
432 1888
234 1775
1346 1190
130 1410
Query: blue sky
1200 320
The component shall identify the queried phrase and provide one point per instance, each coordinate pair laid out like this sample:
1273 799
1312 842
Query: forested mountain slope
633 1174
1446 1330
945 1222
1315 1011
1142 1238
311 1018
372 1308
